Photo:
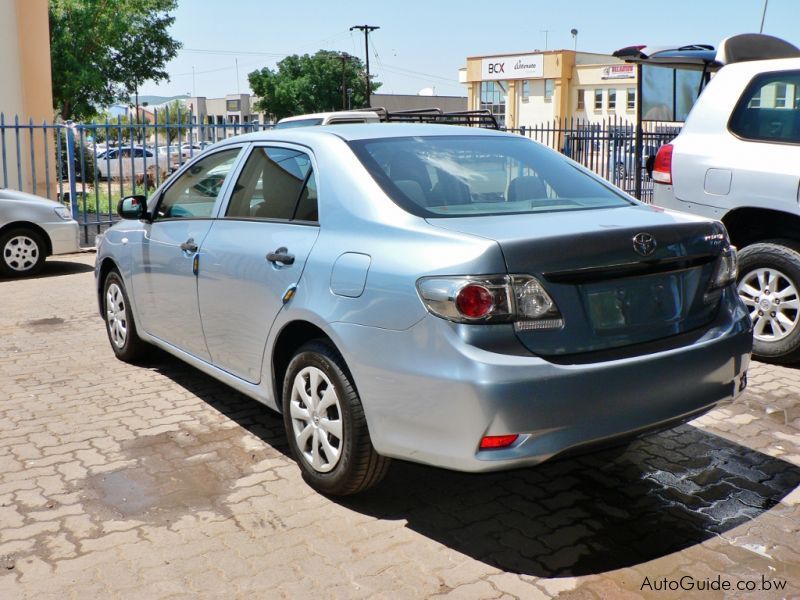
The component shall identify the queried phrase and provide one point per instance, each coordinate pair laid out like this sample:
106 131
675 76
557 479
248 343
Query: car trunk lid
609 295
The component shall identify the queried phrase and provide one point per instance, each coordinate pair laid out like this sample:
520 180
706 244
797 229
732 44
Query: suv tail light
518 299
662 167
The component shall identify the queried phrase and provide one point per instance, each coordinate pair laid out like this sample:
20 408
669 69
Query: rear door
760 163
254 252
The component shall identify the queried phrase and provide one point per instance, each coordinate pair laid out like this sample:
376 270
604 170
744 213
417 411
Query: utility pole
763 16
344 57
366 29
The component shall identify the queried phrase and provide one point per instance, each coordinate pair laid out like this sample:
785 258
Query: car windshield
298 123
457 176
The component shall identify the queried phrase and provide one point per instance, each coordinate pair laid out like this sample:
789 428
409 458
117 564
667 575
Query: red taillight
474 301
493 442
662 167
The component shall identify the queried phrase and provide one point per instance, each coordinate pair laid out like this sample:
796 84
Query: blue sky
423 43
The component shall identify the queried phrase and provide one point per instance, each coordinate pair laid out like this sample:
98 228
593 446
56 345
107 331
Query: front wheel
120 325
22 252
325 423
769 284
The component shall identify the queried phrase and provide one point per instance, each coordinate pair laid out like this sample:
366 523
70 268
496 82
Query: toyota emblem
644 244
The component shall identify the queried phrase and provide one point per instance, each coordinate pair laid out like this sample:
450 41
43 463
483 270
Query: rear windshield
459 176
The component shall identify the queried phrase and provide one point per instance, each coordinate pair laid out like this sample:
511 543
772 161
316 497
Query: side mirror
132 207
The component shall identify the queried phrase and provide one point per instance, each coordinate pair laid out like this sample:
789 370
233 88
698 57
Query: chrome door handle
189 246
281 256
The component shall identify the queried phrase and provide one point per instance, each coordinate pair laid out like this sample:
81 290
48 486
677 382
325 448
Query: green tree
308 84
172 119
103 50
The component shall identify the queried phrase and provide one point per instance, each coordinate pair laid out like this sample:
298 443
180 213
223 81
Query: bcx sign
526 66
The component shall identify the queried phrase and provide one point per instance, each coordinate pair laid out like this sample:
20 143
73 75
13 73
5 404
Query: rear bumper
430 397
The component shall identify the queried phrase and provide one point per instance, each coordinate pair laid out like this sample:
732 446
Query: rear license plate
655 300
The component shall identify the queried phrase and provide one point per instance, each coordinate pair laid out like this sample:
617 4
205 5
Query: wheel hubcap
316 419
773 302
21 253
116 316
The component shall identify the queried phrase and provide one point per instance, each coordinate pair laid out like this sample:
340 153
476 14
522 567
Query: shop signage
526 66
619 72
233 105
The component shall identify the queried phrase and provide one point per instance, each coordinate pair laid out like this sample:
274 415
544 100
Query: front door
164 279
253 253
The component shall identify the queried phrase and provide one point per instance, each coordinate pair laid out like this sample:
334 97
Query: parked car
736 160
458 297
31 229
341 117
124 162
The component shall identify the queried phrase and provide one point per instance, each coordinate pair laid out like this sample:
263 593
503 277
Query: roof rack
471 118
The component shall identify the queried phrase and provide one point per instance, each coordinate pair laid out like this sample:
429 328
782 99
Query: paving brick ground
158 482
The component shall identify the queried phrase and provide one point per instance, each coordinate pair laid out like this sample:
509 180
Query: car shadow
54 268
575 516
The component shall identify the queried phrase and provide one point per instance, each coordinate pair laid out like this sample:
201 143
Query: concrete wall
26 90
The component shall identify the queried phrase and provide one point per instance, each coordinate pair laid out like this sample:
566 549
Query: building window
493 99
526 89
581 100
612 99
549 85
631 98
598 99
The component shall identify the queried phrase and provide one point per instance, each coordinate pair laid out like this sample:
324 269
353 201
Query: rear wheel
769 284
22 252
325 423
120 325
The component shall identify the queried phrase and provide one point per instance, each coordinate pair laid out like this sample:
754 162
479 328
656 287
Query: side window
769 109
194 193
270 184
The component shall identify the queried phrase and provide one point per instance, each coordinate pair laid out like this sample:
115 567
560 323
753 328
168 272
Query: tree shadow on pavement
575 516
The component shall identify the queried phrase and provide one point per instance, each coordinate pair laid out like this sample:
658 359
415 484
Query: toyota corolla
457 297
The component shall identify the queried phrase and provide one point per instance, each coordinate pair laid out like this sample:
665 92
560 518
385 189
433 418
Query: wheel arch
290 338
106 267
34 227
750 225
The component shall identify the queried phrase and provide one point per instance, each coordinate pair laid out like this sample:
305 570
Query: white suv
737 159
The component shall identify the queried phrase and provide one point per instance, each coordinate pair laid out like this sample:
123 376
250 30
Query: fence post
73 187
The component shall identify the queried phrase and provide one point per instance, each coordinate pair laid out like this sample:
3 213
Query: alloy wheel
773 302
316 419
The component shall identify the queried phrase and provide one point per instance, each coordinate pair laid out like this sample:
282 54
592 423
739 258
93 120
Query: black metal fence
89 166
607 147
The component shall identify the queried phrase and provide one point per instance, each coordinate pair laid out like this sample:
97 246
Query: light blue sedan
452 296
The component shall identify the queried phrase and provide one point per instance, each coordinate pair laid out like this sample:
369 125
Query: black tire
117 309
358 467
783 257
22 252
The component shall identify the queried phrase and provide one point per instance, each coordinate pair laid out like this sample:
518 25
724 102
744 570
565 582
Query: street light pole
366 29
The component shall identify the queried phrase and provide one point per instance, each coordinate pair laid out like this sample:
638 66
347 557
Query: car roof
363 131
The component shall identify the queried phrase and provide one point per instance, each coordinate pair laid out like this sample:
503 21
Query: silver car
457 297
31 229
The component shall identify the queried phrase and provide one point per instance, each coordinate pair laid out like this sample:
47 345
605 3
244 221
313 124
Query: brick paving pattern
158 482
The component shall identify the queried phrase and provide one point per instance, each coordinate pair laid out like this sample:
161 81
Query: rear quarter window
769 109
